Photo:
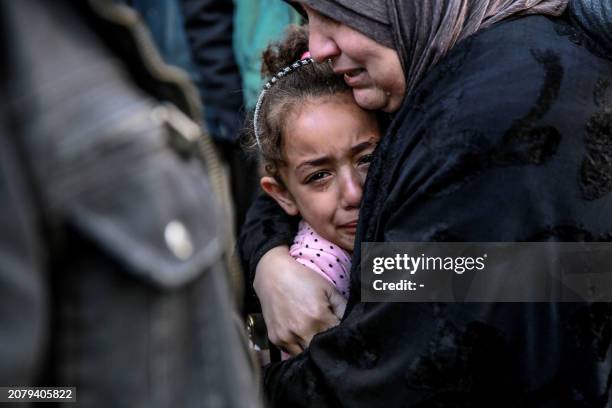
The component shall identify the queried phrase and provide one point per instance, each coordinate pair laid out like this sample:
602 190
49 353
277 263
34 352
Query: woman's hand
296 302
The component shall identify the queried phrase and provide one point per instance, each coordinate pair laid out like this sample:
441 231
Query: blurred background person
112 272
196 36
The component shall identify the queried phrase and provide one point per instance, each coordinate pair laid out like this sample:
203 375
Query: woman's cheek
370 98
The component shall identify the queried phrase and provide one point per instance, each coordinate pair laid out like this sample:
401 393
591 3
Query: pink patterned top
322 256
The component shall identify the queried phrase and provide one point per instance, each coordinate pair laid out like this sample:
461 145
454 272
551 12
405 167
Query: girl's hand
296 302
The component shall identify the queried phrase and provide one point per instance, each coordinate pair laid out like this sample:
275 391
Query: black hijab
422 32
595 18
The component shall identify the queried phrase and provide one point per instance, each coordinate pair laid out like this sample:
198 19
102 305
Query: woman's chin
370 98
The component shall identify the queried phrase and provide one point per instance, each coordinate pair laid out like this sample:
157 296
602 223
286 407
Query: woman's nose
321 45
351 190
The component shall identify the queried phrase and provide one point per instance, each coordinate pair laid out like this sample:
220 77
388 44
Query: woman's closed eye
365 159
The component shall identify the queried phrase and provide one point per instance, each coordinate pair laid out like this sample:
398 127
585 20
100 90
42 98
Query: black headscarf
595 18
369 17
422 32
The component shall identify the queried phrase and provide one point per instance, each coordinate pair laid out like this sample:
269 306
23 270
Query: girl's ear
279 193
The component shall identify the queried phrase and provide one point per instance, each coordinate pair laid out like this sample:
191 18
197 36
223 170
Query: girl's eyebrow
314 162
326 159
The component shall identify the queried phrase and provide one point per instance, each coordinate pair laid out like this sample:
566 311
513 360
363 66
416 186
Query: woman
500 133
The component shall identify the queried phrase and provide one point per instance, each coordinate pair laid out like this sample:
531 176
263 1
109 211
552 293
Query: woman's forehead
370 17
374 9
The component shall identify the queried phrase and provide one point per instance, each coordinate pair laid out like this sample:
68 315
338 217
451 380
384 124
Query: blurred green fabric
256 24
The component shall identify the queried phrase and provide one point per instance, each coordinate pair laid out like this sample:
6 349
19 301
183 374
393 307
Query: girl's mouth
350 227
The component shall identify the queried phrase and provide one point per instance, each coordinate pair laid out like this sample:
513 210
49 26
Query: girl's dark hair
305 83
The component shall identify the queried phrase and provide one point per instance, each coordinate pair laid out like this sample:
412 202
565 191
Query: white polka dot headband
305 60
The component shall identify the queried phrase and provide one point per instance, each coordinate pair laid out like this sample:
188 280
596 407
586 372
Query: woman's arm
296 303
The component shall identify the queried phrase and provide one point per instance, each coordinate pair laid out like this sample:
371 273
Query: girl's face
327 145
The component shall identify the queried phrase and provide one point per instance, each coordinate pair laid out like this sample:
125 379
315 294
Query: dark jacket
507 139
196 35
209 26
111 254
